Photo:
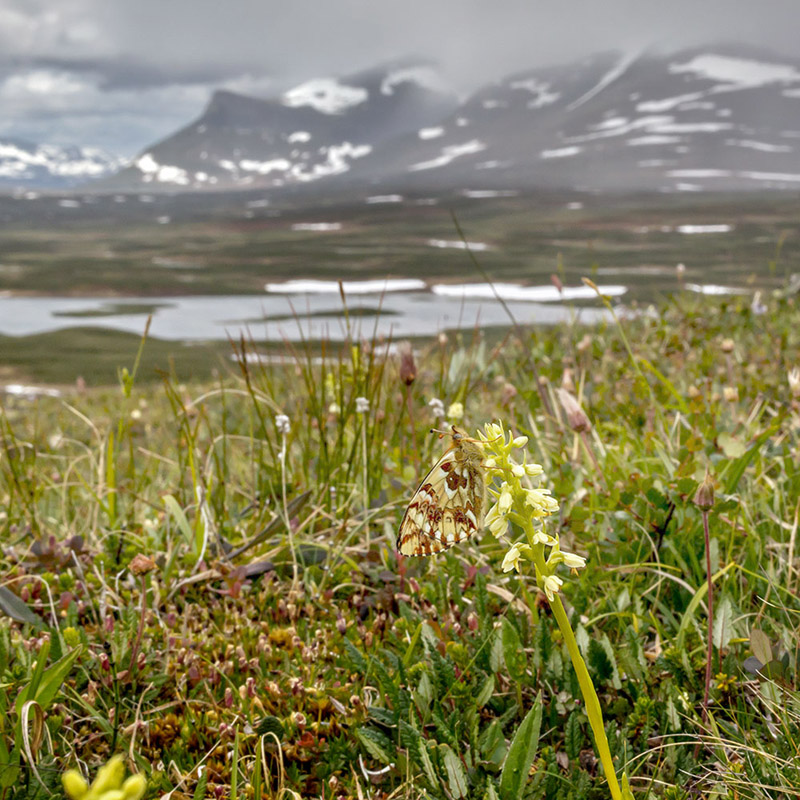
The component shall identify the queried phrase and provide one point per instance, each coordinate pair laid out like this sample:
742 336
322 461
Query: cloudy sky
121 74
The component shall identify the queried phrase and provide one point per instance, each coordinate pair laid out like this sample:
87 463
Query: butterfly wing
446 508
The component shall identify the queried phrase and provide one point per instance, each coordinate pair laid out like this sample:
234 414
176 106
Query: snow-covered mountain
720 118
699 119
47 166
312 132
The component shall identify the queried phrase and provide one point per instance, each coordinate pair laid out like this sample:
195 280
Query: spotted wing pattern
446 508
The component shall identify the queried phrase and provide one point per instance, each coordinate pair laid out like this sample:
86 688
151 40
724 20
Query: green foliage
431 665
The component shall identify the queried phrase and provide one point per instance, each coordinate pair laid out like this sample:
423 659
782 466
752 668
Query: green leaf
491 792
178 514
521 753
270 724
50 683
375 743
723 623
412 645
427 764
514 655
573 736
492 744
485 692
761 645
9 772
456 777
730 445
13 607
735 469
355 656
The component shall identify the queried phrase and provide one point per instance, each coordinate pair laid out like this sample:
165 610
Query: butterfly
449 504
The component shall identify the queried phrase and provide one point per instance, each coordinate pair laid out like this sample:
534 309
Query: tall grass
369 676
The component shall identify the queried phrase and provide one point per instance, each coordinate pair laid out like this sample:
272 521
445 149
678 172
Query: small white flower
757 307
540 537
513 556
505 500
490 463
362 405
493 430
520 441
552 585
495 521
282 424
518 470
532 470
136 414
794 381
455 412
541 502
437 407
574 561
334 409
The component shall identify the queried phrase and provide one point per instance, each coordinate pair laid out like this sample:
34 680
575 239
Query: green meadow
200 575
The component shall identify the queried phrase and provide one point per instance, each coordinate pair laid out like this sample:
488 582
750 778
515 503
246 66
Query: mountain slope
43 166
312 132
721 118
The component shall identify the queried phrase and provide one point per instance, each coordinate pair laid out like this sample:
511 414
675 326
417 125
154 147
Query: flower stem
593 710
710 651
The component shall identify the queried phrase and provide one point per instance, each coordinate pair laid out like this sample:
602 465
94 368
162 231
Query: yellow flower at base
107 785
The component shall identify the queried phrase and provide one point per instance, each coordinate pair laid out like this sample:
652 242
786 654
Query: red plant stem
139 632
710 651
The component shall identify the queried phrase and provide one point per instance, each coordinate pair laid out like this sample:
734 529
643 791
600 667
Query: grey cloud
127 52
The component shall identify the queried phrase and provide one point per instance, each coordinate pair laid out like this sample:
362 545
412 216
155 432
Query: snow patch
736 73
450 153
317 226
265 167
385 198
561 152
514 291
689 229
457 244
763 147
484 193
377 286
430 133
615 72
163 173
336 161
325 95
542 95
640 141
425 77
714 289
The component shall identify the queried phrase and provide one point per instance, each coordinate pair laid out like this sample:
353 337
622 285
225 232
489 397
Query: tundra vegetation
202 578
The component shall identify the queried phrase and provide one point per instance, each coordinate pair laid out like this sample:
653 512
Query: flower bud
141 565
74 784
134 787
576 416
704 496
408 368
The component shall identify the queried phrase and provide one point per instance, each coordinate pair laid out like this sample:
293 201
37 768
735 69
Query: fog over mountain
122 75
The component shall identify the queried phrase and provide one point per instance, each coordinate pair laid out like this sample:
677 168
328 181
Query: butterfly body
449 504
